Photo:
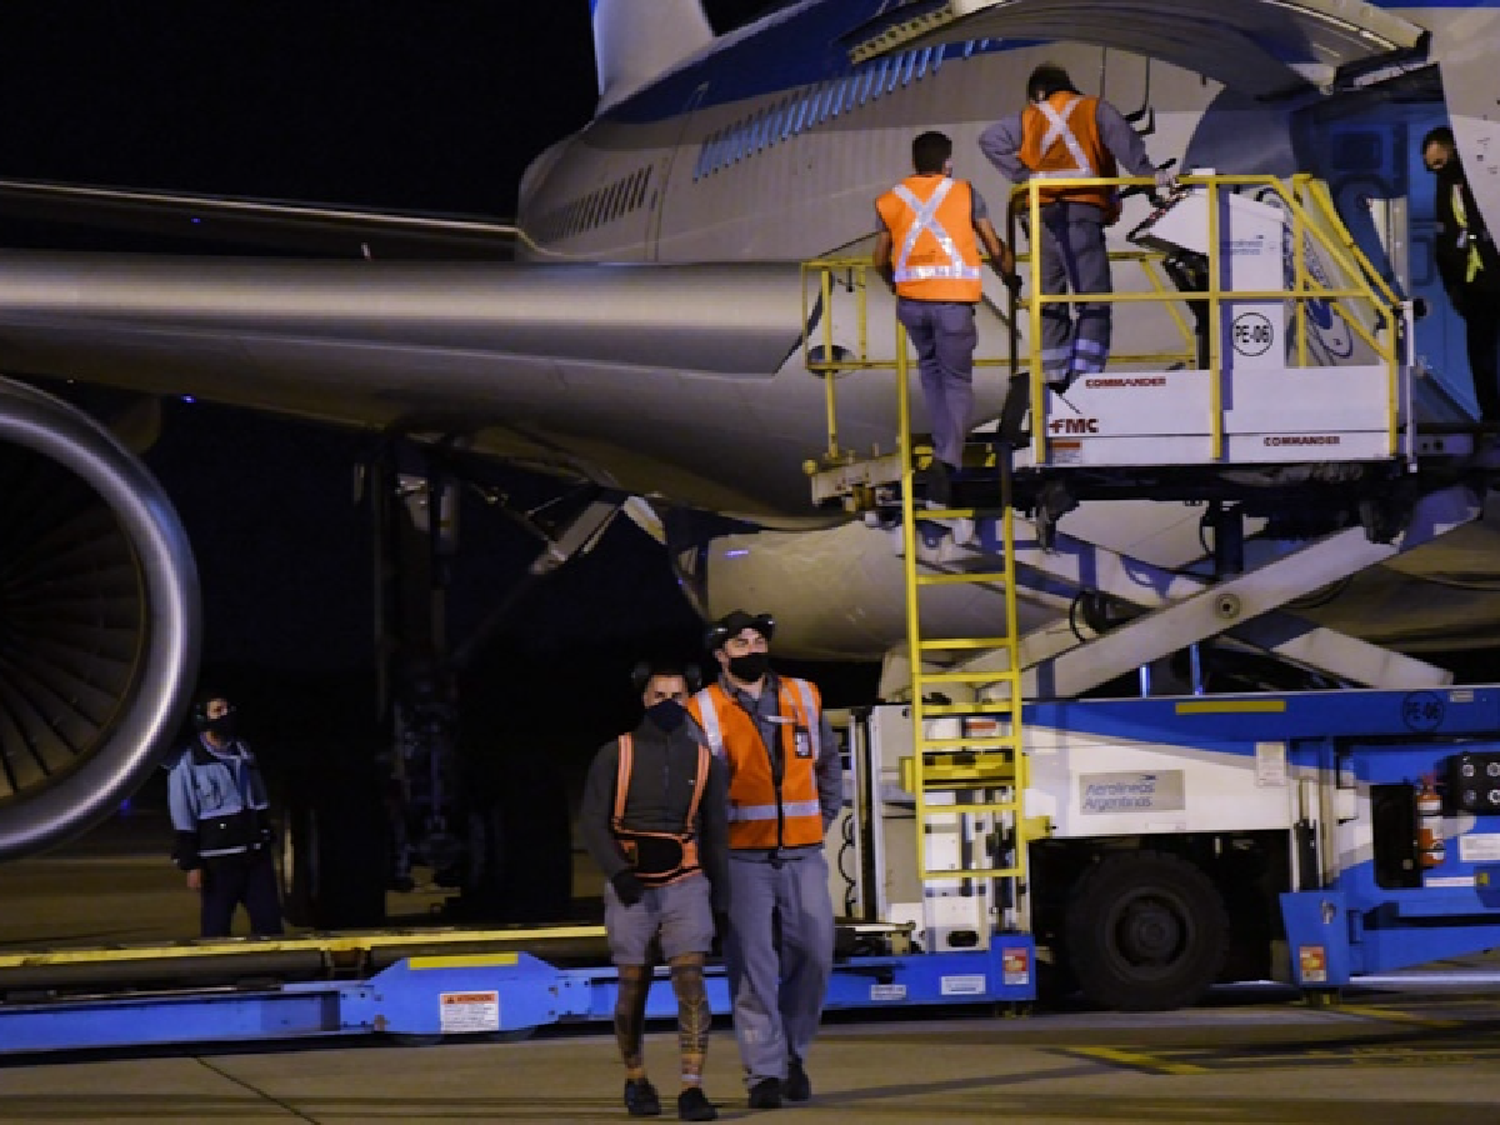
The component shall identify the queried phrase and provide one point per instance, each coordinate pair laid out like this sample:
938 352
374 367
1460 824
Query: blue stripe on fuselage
785 53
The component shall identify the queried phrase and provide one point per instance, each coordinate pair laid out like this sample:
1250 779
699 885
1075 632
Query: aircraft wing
303 228
661 380
1265 48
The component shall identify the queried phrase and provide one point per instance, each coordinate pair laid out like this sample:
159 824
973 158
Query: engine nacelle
100 623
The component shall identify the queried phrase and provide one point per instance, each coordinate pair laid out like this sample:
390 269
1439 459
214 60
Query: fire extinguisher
1430 823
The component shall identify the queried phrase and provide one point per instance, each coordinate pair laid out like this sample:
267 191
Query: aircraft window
595 198
784 120
922 59
704 152
969 47
637 182
841 92
759 130
808 102
617 199
645 183
608 212
739 141
910 67
866 80
899 64
877 78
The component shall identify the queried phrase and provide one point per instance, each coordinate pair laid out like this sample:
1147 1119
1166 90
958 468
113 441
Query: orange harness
657 858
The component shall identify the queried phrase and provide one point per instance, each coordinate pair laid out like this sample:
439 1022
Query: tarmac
1417 1049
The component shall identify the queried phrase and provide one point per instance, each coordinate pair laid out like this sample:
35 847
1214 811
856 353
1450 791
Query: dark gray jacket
662 779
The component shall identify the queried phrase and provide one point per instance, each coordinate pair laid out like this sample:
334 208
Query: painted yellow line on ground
1392 1015
1137 1061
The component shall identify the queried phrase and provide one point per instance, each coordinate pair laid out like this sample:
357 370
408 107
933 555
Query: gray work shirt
829 767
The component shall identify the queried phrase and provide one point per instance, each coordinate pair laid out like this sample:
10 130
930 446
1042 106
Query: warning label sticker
887 992
1313 961
463 1012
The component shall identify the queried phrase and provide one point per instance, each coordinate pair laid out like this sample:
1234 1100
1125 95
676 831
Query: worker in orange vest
653 819
1061 134
785 788
927 248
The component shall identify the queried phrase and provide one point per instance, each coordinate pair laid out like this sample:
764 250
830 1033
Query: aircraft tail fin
636 40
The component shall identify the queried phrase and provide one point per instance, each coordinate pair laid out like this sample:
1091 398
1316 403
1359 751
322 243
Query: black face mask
750 667
221 728
668 715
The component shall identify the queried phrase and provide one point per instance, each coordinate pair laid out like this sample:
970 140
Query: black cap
647 670
732 624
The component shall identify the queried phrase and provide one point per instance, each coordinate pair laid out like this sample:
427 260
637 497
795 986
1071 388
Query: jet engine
99 621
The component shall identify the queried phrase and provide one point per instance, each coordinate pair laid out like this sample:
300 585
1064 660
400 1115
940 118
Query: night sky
435 107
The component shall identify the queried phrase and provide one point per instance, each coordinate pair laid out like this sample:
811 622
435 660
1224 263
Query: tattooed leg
693 1015
630 1018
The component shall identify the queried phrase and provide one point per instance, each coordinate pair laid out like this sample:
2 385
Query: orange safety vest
936 256
1060 140
761 815
657 858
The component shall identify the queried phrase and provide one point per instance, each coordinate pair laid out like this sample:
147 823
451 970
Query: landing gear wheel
331 852
1146 931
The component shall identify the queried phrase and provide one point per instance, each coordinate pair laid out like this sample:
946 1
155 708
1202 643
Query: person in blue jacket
218 803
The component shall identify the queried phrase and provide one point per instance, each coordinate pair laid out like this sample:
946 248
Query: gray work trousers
944 335
1075 337
777 994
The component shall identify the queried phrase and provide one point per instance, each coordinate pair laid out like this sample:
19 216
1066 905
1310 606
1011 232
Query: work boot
641 1099
939 491
693 1105
797 1087
766 1094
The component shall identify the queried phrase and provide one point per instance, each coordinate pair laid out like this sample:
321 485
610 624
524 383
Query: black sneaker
641 1099
797 1087
692 1105
766 1094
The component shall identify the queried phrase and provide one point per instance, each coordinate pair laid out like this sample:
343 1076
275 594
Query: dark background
434 107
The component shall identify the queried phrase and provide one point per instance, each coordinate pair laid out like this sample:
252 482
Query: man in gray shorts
654 819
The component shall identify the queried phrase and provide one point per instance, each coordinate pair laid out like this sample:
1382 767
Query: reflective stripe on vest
936 256
759 817
638 845
1059 142
1058 131
1474 262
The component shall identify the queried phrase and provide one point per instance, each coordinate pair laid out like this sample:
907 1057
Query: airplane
646 341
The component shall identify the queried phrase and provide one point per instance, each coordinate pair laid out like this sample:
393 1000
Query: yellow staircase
967 772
